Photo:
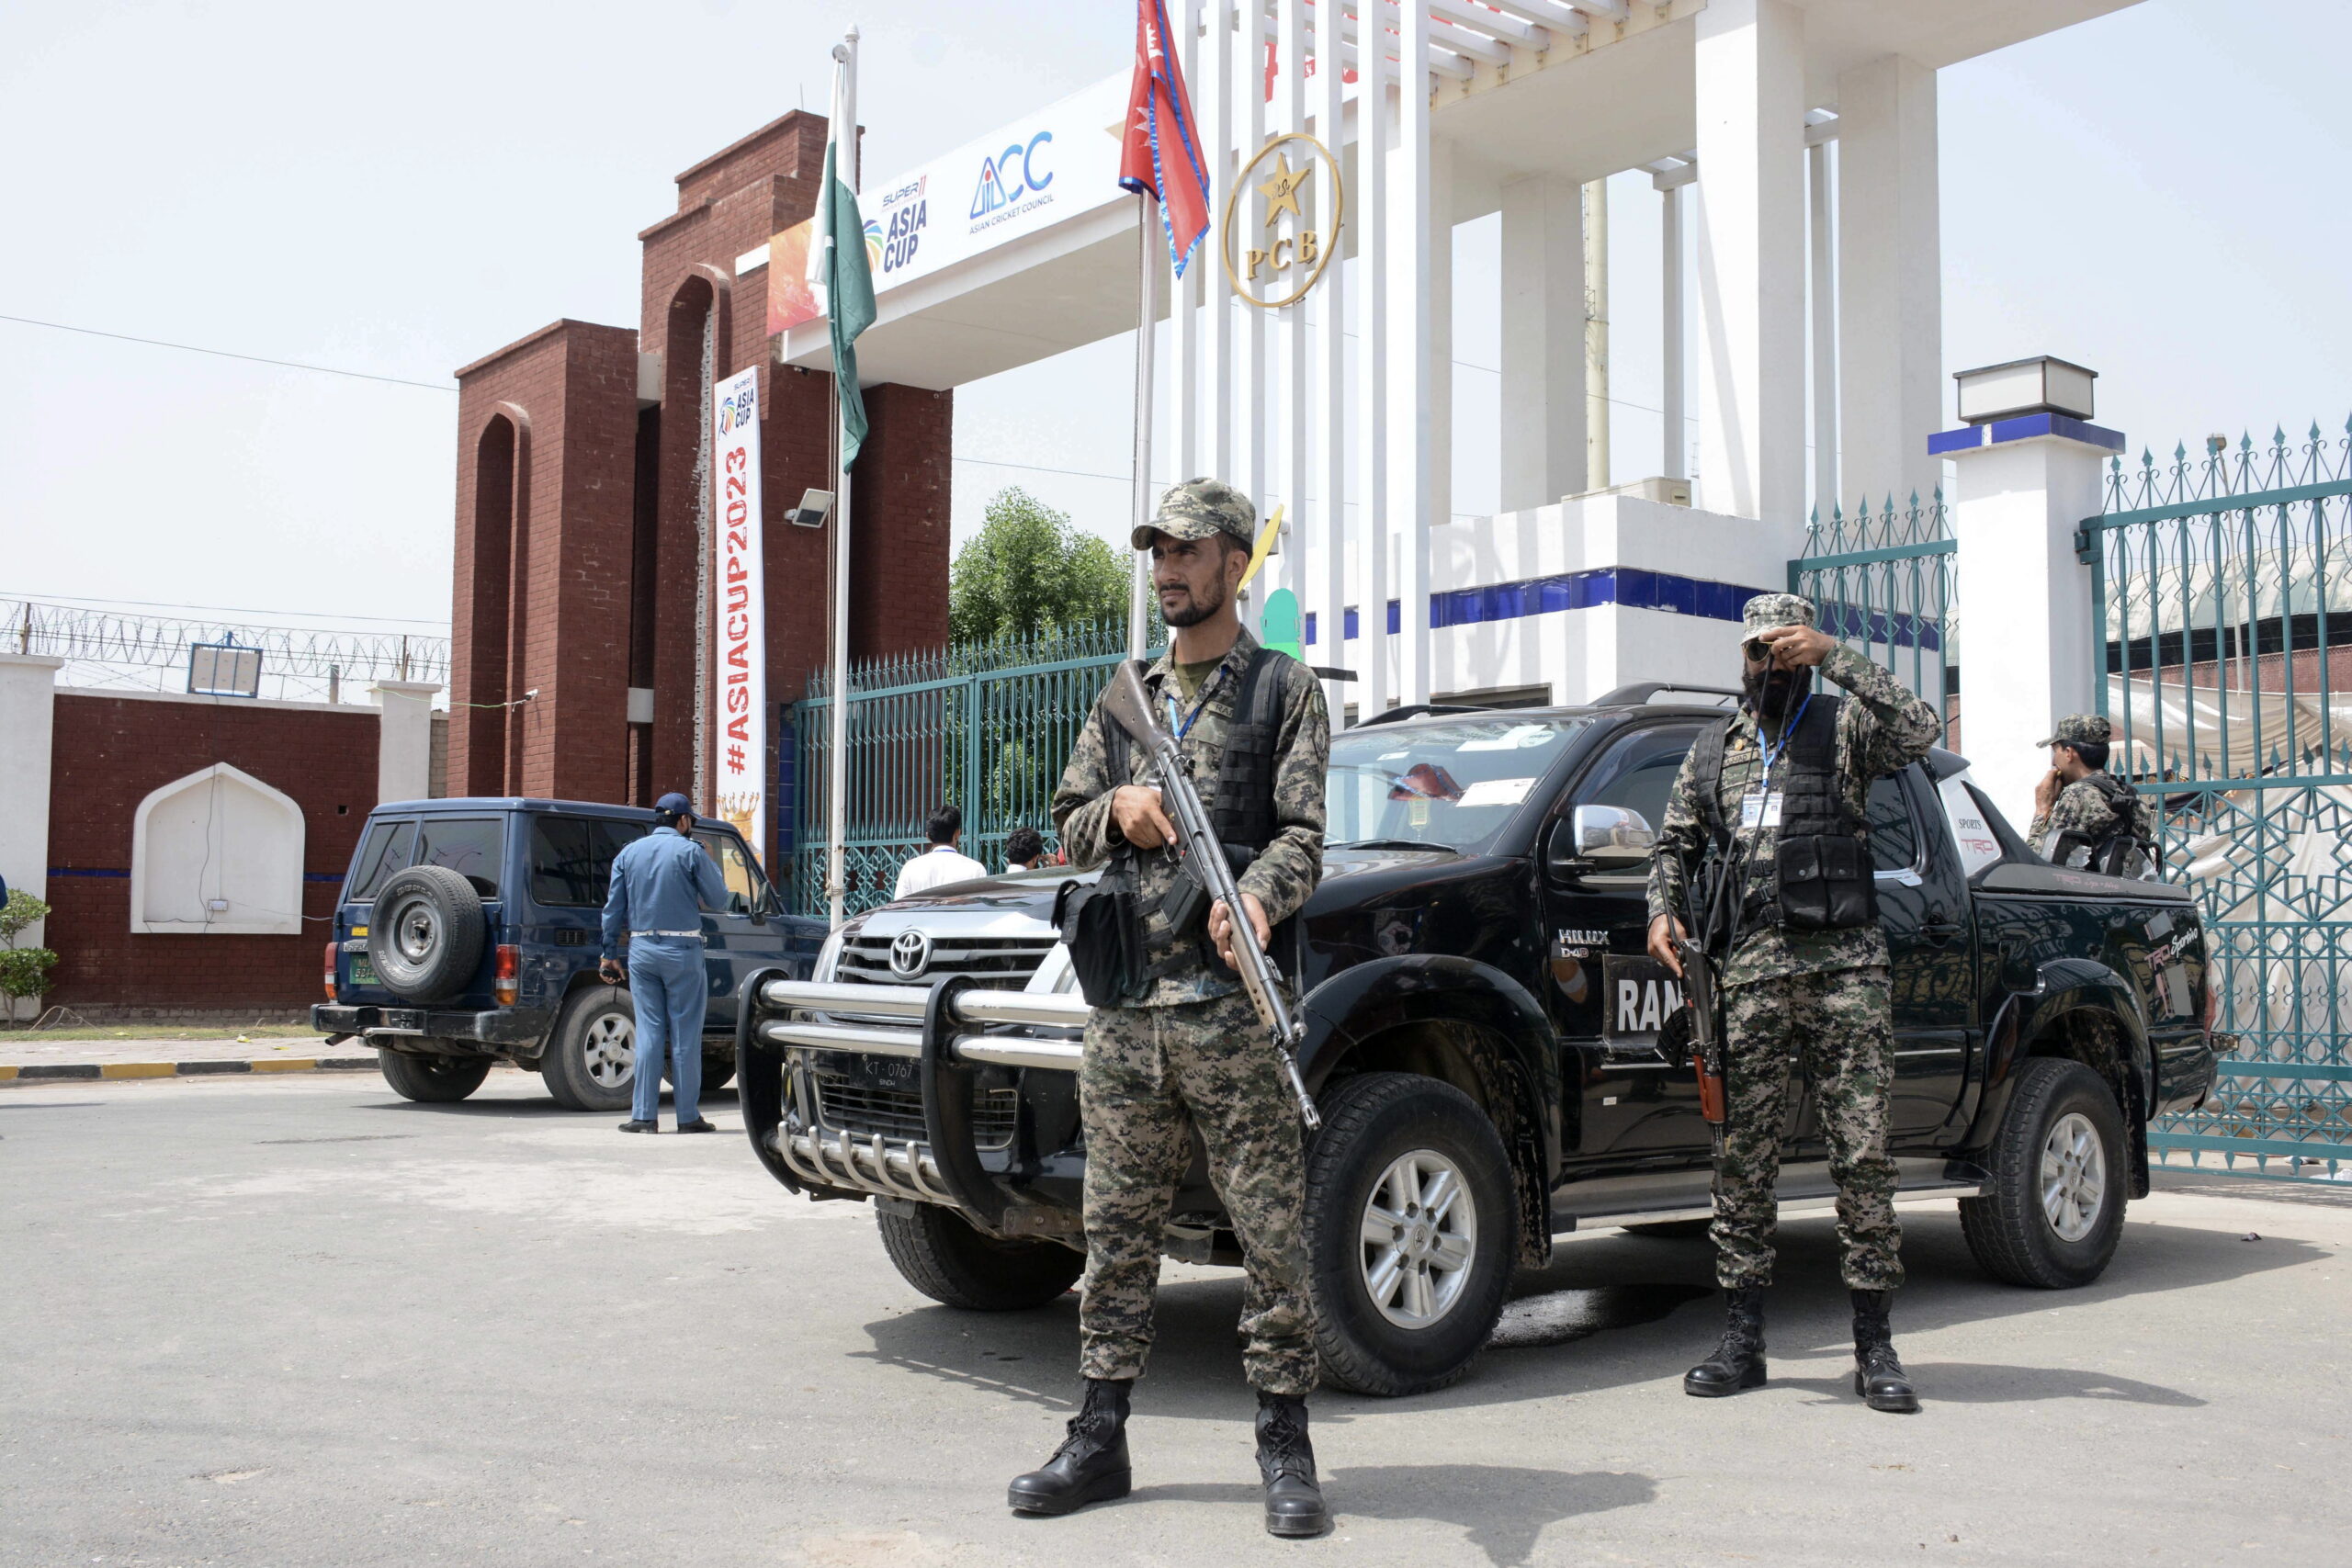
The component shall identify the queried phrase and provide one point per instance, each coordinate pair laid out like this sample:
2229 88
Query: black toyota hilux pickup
1483 1041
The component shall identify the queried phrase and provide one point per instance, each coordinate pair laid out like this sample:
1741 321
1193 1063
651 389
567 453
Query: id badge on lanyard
1759 808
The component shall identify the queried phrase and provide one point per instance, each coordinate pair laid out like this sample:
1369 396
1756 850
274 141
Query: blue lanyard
1772 755
1184 727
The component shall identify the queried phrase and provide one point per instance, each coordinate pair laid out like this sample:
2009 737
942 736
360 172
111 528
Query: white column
1890 306
1373 113
1183 305
1411 451
1216 126
1824 306
1330 379
27 719
1677 435
1252 398
1288 570
404 740
2029 637
1542 312
1596 334
1749 65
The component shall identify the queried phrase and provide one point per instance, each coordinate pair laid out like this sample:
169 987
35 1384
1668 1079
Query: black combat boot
1091 1464
1739 1361
1879 1377
1286 1460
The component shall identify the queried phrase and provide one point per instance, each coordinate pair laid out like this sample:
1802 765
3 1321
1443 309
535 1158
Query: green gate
1882 582
2224 586
987 726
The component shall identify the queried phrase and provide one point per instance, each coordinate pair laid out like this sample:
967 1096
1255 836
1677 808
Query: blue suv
469 930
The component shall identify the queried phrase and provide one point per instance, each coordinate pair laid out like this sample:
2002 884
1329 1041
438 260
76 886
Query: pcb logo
1282 221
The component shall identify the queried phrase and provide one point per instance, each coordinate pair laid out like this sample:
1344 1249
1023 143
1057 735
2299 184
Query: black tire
717 1067
2011 1229
432 1079
1370 1125
582 1060
1671 1230
938 1252
425 935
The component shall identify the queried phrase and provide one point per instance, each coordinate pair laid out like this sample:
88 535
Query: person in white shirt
1025 849
942 863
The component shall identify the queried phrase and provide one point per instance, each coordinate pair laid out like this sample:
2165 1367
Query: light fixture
2025 386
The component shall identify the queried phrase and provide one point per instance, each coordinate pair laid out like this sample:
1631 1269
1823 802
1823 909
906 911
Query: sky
397 191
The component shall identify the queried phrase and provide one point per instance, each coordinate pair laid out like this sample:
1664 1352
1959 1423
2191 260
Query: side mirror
1599 839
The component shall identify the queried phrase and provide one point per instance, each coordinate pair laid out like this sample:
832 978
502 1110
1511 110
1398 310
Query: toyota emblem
909 955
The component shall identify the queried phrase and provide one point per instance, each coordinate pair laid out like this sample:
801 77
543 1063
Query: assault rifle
1708 891
1130 706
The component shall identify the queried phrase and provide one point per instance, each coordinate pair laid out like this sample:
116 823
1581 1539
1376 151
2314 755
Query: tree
24 971
1029 570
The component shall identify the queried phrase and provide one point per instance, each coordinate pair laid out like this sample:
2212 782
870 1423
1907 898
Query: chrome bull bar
892 1021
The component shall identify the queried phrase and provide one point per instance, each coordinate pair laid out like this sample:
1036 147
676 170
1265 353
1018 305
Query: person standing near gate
660 886
2079 800
943 861
1780 792
1186 1050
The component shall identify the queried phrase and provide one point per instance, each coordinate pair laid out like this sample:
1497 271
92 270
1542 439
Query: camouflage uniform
2082 807
1192 1053
1820 997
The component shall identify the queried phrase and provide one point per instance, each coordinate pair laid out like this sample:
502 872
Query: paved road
300 1322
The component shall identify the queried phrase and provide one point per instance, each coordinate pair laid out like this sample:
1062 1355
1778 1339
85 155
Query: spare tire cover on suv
425 935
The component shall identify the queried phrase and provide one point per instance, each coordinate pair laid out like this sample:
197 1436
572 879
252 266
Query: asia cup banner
739 698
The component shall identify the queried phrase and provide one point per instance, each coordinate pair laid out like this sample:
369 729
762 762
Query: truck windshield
1450 786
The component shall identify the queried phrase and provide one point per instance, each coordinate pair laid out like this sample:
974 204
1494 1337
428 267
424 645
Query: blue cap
674 805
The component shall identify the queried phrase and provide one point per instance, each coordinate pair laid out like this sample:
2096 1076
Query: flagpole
844 134
1146 292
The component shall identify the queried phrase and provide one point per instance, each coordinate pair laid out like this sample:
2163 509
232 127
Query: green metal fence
1882 581
2223 587
985 725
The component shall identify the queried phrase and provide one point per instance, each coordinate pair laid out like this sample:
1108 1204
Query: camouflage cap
2079 728
1198 508
1766 611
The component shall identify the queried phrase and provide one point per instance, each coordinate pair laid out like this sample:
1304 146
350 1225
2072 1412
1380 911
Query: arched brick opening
697 352
495 532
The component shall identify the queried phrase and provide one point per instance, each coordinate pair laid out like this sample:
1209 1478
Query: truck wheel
590 1062
425 935
432 1079
2053 1211
1411 1229
717 1067
938 1252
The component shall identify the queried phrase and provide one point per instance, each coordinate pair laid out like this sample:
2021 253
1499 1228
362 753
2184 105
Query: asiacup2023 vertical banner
739 694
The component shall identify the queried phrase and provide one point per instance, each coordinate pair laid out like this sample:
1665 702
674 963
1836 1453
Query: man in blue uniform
660 886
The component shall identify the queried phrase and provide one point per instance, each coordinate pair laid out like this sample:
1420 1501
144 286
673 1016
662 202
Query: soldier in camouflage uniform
1816 994
2079 797
1188 1051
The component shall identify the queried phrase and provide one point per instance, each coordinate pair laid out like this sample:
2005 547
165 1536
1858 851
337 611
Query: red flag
1162 154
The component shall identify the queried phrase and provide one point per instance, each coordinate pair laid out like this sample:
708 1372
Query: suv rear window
474 847
572 859
385 852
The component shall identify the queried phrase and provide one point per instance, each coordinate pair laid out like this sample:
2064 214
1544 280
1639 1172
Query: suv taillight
502 984
332 948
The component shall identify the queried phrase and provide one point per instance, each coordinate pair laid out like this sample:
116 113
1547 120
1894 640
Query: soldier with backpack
2083 815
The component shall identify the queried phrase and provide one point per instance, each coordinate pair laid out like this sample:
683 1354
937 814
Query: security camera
816 506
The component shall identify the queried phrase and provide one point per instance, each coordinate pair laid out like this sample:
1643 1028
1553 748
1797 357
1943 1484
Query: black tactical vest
1820 879
1243 815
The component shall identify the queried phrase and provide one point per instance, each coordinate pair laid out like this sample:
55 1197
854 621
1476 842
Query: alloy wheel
610 1050
1420 1236
2074 1177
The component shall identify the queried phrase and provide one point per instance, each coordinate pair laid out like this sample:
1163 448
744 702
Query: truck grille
997 961
861 1111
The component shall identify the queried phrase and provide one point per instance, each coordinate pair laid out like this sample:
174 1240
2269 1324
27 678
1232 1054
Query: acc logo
1009 175
738 410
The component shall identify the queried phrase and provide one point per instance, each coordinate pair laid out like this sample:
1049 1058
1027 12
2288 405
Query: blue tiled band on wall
1628 586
